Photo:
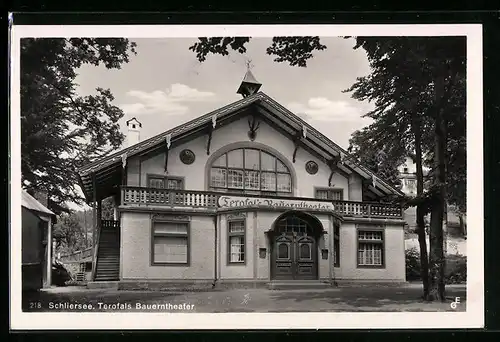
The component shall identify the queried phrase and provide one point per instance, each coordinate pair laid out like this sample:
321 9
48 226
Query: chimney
134 132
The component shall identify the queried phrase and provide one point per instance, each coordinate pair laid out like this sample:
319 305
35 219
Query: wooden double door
294 251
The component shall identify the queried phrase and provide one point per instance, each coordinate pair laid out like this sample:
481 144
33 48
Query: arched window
293 224
250 170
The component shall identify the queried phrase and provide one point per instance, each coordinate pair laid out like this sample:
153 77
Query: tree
293 50
60 129
108 209
417 86
69 234
376 159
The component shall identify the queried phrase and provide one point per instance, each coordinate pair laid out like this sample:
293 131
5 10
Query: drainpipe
215 249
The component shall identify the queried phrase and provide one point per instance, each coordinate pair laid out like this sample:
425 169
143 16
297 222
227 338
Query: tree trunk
462 225
420 213
445 228
436 257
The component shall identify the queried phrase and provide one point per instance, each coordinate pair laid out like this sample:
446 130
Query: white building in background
456 241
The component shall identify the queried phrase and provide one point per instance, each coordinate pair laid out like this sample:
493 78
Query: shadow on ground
393 299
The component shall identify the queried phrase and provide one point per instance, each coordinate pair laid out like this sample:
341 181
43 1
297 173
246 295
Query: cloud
323 109
172 101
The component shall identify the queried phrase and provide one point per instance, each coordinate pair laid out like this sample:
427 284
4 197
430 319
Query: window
370 248
330 194
163 182
305 252
170 243
283 251
336 246
236 241
405 170
250 170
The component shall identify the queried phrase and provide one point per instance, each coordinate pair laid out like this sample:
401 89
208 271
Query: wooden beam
291 136
210 132
94 213
275 122
284 122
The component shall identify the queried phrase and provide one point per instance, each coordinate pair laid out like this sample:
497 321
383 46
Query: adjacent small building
247 194
36 244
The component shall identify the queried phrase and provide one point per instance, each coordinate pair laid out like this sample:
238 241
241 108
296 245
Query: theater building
247 194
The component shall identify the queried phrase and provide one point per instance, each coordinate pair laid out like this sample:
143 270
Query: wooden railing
174 198
139 196
76 256
363 209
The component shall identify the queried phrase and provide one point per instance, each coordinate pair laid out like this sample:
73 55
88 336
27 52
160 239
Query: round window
187 156
311 167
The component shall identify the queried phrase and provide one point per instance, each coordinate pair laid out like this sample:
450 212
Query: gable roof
30 203
103 169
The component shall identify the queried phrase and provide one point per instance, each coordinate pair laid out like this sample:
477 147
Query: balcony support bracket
296 142
210 132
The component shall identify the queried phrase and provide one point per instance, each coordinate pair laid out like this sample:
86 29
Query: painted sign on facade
245 202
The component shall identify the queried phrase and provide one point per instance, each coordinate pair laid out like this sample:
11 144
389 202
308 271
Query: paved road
342 299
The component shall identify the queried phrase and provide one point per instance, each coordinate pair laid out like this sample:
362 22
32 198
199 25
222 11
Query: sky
164 85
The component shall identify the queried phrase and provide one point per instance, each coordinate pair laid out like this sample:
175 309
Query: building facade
249 193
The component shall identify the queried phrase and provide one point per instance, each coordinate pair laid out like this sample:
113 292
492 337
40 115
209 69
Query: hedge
455 269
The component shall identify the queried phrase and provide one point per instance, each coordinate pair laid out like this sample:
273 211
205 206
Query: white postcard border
472 318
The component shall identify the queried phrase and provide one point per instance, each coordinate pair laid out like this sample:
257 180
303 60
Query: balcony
143 197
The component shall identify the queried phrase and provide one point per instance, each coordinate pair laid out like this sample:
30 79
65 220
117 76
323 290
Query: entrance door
294 253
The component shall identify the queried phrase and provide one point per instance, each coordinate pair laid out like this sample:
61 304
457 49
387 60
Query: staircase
108 253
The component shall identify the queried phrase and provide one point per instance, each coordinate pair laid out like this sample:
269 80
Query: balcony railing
139 196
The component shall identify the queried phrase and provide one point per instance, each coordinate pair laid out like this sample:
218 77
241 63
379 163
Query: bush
412 259
455 269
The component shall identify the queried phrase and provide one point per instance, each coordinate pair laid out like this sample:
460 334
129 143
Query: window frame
336 246
165 179
330 190
259 170
238 234
153 235
375 242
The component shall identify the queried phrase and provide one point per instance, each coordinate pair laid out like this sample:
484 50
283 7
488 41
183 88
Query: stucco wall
394 248
195 174
231 270
136 250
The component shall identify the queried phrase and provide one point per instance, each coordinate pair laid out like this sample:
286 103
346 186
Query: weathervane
249 64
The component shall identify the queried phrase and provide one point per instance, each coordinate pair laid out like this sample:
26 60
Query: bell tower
249 85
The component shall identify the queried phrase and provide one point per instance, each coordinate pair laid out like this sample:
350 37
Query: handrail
132 195
82 253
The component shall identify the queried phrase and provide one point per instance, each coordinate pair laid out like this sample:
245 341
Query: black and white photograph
246 176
